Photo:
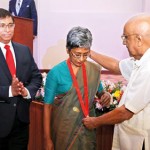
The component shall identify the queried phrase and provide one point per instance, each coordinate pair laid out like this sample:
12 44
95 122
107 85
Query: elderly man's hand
90 122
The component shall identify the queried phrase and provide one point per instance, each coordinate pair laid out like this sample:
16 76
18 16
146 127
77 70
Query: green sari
68 132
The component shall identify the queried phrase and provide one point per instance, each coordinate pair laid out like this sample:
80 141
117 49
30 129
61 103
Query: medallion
76 109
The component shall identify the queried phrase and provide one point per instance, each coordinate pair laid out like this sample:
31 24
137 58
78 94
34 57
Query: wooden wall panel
36 126
24 32
104 137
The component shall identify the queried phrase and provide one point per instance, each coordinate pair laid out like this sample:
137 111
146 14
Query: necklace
83 103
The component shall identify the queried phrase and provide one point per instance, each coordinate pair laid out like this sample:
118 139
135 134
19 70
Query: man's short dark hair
5 13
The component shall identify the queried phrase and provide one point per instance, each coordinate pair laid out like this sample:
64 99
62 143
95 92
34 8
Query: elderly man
132 117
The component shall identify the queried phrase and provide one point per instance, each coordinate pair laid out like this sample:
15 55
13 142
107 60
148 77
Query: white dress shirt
18 5
2 45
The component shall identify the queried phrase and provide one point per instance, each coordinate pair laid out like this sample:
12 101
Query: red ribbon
84 103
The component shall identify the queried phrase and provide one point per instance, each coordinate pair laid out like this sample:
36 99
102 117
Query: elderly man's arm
107 62
117 115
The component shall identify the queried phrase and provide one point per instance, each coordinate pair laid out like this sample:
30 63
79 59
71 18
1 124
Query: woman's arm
48 144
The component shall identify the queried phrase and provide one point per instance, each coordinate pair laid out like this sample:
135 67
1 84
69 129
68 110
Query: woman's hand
48 145
105 99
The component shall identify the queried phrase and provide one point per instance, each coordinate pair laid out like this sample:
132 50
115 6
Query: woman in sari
69 93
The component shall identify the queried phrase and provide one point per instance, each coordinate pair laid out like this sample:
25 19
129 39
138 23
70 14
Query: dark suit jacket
27 10
28 73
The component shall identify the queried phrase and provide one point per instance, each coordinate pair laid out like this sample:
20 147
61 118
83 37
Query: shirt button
14 105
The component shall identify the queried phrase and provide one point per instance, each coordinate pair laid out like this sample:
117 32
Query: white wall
146 6
105 19
4 4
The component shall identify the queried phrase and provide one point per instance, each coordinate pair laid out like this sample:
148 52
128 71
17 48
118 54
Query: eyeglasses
78 56
125 37
9 26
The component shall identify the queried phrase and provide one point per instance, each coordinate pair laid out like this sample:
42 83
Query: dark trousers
18 137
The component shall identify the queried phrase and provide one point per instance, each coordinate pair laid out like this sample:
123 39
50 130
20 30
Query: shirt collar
2 45
145 57
19 1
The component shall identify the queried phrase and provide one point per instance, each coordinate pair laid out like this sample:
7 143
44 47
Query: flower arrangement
40 93
116 90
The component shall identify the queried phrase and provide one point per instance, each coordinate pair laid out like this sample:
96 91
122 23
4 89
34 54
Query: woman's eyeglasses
78 56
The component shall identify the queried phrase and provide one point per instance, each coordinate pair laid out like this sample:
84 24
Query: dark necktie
10 60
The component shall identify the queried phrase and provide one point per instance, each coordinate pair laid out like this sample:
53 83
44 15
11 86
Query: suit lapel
13 8
25 3
18 64
4 65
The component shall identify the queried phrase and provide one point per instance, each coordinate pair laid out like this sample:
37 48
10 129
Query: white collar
2 45
144 58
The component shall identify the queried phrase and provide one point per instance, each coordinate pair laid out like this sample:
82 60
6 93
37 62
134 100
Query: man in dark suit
18 86
26 9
